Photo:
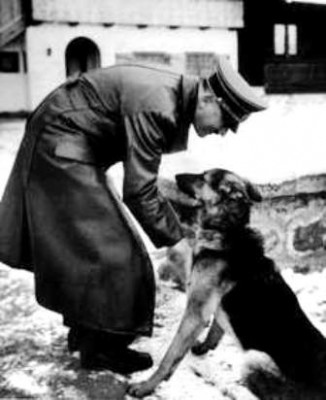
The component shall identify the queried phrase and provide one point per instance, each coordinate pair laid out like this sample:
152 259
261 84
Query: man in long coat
61 219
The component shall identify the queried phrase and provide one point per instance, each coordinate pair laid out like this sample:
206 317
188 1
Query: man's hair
205 84
208 92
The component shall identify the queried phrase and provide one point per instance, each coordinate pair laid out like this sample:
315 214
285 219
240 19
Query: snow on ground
285 142
35 364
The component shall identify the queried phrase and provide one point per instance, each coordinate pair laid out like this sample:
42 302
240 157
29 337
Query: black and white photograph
162 199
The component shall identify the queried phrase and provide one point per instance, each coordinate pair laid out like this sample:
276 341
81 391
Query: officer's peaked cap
239 98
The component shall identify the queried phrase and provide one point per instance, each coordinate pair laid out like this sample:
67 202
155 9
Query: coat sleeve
140 191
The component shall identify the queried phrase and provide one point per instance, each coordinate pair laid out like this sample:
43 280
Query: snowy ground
34 362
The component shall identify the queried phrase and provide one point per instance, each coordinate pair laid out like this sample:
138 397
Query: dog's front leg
184 338
203 300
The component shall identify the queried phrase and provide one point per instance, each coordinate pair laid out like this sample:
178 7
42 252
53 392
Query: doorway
82 55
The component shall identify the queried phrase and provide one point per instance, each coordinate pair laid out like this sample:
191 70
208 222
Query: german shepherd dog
233 281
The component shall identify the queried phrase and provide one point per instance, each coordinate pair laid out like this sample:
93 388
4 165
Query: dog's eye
238 195
225 190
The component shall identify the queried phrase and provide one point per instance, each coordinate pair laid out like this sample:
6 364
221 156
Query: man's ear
253 192
190 184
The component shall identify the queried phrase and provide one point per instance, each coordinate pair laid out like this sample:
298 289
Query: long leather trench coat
61 219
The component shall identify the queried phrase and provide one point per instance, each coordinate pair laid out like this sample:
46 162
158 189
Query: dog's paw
140 389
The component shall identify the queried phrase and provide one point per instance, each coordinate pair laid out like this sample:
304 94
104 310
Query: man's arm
145 140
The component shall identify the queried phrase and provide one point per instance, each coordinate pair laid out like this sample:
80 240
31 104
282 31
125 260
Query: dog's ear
253 192
190 184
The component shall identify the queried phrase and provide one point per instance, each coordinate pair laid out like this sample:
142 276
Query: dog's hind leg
203 300
211 341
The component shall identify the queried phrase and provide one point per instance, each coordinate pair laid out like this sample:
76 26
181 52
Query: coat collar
187 106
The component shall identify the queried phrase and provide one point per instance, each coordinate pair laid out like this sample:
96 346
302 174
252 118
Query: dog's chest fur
242 248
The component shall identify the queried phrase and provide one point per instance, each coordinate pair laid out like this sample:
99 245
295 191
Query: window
285 39
200 64
157 58
9 61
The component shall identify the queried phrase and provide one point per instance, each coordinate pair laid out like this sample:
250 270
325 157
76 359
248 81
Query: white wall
46 45
13 86
13 92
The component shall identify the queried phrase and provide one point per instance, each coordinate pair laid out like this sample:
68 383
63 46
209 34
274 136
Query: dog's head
224 198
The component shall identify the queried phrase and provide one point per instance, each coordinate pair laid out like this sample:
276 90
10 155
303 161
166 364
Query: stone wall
291 217
294 228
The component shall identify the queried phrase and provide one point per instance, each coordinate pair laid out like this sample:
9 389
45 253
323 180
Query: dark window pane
9 61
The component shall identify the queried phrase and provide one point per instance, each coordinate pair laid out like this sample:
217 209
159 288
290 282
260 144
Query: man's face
209 116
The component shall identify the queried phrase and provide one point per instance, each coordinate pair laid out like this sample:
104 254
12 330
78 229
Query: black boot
100 350
103 339
126 361
73 339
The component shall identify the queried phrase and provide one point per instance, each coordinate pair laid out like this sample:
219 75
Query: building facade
283 49
58 38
